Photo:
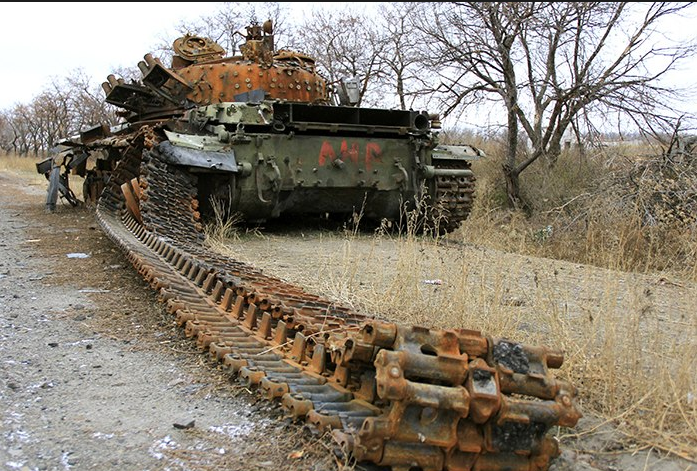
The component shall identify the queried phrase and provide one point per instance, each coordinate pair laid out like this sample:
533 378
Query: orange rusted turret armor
284 75
200 75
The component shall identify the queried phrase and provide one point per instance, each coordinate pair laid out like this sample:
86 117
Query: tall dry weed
223 227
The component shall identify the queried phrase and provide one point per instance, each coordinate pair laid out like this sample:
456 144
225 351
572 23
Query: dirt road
95 375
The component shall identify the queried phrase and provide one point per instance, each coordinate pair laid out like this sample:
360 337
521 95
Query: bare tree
6 135
401 56
549 63
345 44
63 108
15 133
86 102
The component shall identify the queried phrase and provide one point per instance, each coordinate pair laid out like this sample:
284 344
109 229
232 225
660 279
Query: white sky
49 40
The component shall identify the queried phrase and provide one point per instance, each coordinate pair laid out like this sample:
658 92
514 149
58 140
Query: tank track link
405 397
454 195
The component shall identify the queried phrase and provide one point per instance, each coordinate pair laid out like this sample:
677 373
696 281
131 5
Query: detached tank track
410 398
454 196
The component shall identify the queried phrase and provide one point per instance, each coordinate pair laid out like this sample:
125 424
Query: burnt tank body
264 133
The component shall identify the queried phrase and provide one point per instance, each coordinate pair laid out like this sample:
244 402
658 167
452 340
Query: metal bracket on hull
200 158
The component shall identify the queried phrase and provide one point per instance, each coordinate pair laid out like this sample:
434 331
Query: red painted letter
326 152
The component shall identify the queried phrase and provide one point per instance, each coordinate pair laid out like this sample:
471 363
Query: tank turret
200 75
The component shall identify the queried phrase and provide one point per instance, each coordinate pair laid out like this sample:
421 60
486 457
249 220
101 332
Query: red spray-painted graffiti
373 153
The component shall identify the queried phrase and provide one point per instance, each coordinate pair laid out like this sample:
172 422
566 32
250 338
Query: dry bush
618 209
464 136
640 214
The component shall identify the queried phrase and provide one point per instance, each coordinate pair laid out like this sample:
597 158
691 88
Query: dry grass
225 228
21 165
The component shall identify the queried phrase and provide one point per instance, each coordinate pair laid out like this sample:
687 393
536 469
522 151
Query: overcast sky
49 40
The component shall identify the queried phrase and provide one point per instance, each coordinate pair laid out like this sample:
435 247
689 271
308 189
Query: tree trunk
400 92
554 149
512 186
510 171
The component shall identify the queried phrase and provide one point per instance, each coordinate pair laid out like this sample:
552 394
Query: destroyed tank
264 134
258 132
